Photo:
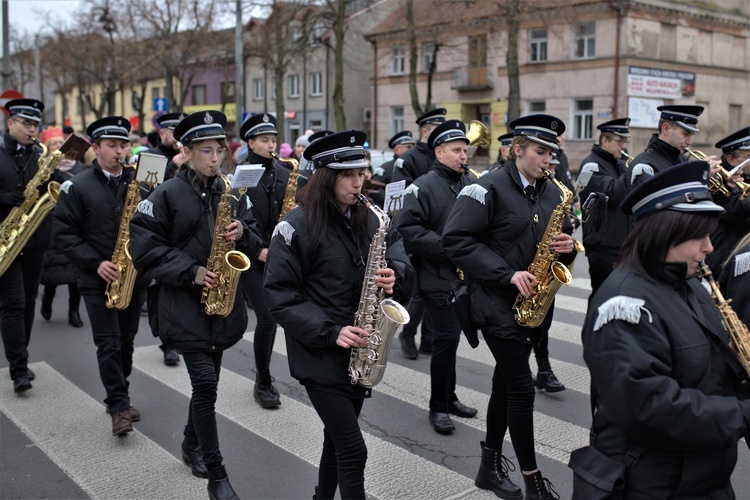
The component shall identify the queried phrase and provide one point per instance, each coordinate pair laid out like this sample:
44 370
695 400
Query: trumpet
717 183
629 158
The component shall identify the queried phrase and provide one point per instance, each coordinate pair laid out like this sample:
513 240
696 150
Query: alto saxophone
550 273
24 220
290 195
226 262
376 315
120 291
737 329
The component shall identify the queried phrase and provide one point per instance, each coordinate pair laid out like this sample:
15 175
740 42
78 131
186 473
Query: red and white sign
9 95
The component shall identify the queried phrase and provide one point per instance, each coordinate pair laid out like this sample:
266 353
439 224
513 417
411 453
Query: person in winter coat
492 234
669 394
313 279
58 270
172 237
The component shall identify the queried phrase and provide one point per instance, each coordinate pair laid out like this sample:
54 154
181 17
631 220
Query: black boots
539 488
264 392
545 377
47 296
74 319
218 485
408 347
192 456
493 474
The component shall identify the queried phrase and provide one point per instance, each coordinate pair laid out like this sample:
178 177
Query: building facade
584 61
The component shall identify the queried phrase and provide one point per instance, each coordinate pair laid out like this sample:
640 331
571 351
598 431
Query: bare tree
22 58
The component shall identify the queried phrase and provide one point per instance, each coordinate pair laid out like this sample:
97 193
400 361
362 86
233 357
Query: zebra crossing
274 453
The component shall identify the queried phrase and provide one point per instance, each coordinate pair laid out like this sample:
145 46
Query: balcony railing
471 78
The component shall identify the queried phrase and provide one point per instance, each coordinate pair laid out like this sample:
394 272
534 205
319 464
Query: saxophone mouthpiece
363 200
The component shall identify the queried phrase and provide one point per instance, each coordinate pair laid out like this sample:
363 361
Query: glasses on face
27 124
621 142
210 152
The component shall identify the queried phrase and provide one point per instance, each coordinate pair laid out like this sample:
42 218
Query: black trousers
446 334
19 286
74 295
265 326
204 368
540 337
114 332
511 405
600 266
344 454
416 315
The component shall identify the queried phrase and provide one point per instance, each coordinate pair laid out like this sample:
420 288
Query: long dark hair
317 196
647 245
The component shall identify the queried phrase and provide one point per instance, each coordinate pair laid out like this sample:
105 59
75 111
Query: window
156 92
584 40
316 84
258 89
227 92
316 125
296 33
583 118
316 34
293 86
538 45
537 107
398 61
428 50
199 94
397 119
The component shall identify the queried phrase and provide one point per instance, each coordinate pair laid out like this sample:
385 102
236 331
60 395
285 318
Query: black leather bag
596 476
460 302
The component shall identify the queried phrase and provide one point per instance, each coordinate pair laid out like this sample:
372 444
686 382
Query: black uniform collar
11 145
255 159
600 151
674 274
656 145
447 173
512 169
125 175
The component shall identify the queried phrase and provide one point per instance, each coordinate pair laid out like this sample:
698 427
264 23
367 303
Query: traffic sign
161 104
7 96
156 116
246 115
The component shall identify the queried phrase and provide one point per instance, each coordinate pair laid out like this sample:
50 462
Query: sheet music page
247 176
394 196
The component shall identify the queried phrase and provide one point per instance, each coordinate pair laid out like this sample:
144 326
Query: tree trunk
514 84
338 64
413 58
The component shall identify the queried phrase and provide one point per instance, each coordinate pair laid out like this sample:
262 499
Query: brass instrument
479 137
629 158
717 183
291 185
24 220
376 315
550 273
226 262
737 329
120 291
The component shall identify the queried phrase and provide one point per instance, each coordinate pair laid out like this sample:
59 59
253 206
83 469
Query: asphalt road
55 440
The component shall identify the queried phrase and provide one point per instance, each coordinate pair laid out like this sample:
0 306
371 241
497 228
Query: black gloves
11 199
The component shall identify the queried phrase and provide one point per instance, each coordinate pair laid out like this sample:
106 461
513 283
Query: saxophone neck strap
346 239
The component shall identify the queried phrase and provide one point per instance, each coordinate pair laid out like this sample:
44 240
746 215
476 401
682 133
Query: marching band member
665 382
734 278
267 198
19 285
172 237
734 223
603 171
86 225
506 140
420 223
313 278
492 234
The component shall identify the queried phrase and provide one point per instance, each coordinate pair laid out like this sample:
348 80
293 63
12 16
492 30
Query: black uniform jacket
267 199
384 172
734 223
492 232
413 163
665 384
313 295
17 168
86 222
601 172
420 222
735 283
658 156
171 236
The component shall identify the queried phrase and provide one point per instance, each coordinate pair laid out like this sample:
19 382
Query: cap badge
265 118
183 116
208 118
352 139
36 104
553 125
119 122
